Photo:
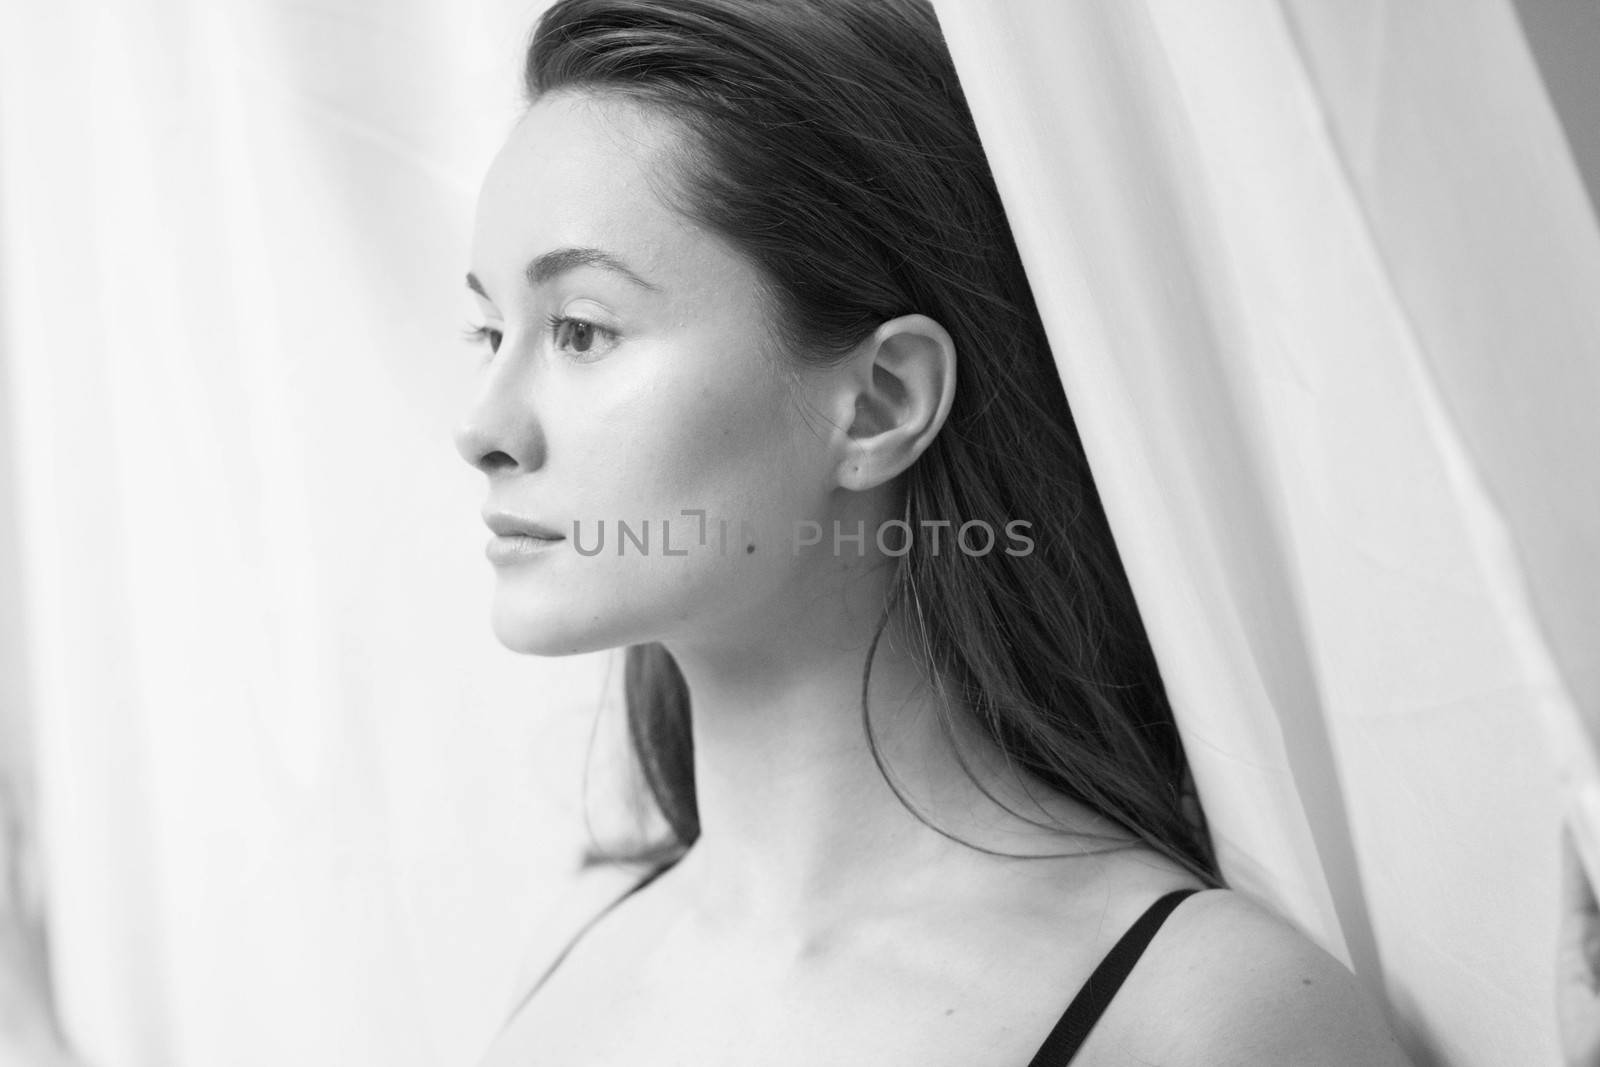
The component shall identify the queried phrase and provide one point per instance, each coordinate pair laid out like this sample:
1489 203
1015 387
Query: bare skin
815 921
974 972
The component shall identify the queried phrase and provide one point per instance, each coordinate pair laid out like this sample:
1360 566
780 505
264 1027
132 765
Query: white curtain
1316 275
1321 283
298 807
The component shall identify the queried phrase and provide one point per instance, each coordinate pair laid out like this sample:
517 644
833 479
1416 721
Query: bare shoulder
1238 985
581 895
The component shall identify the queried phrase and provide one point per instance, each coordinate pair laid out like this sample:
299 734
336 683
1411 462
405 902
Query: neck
798 825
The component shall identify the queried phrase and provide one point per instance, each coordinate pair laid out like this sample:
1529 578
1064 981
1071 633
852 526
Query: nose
501 433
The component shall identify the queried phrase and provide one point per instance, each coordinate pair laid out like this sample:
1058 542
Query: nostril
490 462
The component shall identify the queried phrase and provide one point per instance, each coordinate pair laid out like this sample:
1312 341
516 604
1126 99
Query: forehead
582 170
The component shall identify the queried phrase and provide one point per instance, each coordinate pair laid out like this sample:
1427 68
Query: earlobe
903 393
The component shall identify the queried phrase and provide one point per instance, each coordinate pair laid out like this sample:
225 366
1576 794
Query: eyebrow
561 260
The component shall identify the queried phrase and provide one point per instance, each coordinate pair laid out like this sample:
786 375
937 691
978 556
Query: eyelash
480 335
490 336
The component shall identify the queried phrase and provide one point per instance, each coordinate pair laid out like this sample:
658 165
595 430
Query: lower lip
519 547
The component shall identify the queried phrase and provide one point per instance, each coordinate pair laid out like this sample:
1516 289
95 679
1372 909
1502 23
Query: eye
483 335
580 337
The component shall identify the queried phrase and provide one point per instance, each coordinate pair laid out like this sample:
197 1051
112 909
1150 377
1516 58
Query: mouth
507 525
517 539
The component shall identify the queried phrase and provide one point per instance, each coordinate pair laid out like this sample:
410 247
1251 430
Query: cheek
726 444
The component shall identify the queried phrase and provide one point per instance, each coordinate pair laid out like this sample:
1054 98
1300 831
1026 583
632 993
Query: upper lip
505 524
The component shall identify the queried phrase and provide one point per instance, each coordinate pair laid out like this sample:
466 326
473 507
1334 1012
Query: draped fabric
1319 279
296 804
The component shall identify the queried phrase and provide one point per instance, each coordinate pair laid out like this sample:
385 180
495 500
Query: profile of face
630 374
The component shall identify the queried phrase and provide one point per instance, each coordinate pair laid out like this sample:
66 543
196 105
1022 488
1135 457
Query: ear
903 383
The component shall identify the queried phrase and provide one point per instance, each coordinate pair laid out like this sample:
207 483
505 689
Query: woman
761 370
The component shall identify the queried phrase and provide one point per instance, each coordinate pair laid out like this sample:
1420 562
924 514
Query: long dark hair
829 141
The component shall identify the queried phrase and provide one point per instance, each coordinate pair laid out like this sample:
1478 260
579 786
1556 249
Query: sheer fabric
1317 279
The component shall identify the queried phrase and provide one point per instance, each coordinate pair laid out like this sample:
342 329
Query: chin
550 630
535 635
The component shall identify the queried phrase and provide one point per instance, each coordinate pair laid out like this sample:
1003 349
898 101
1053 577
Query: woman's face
628 375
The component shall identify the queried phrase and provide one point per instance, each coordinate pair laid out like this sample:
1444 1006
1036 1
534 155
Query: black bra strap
1086 1008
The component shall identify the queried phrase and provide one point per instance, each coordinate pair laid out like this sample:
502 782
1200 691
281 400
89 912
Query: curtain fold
1317 280
298 805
